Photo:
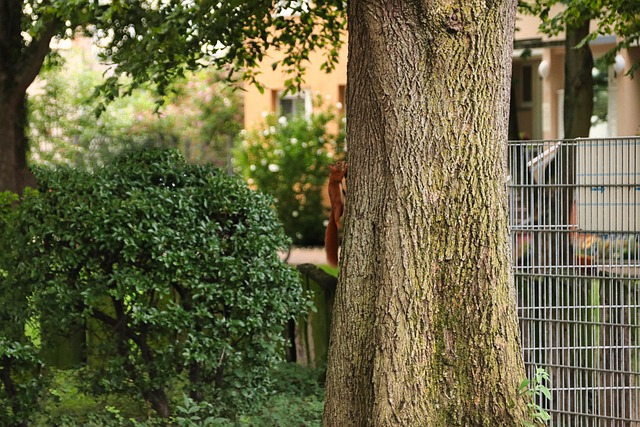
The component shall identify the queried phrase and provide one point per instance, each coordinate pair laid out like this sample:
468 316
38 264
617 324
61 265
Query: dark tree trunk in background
424 331
14 173
578 83
578 102
19 66
578 109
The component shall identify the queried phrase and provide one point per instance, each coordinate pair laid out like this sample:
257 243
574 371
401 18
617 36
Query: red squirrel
336 197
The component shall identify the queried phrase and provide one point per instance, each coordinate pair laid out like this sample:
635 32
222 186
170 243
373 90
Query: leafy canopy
159 41
619 17
200 116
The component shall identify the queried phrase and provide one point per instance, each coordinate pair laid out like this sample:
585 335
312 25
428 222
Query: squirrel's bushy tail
331 242
337 196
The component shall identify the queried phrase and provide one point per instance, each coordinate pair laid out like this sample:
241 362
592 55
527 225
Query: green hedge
172 268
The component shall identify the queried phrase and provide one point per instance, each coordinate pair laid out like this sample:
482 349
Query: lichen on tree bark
425 328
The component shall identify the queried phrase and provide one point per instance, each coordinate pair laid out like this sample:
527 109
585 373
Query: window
342 98
527 84
292 105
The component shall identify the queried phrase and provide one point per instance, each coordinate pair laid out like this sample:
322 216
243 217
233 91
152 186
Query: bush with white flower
288 158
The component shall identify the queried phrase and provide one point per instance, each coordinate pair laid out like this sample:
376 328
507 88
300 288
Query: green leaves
534 389
23 381
611 17
288 158
160 43
173 266
200 116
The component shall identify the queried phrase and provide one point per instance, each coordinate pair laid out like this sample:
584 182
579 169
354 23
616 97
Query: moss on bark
425 328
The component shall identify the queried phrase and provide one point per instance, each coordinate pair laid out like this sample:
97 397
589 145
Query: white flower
339 105
265 132
263 162
272 129
304 145
252 168
282 120
294 141
264 114
295 214
278 152
274 167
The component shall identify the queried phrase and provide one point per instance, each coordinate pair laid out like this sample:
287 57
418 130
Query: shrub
295 399
288 159
22 379
199 115
174 269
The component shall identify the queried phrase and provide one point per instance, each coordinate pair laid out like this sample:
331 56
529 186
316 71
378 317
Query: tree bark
425 331
14 172
578 82
514 130
578 110
20 63
159 402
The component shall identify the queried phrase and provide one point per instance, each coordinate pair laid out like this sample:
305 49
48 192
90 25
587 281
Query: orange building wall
542 120
323 84
628 101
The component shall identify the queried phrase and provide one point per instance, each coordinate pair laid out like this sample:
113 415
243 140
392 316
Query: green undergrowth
295 400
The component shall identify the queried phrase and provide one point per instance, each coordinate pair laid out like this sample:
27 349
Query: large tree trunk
19 66
425 329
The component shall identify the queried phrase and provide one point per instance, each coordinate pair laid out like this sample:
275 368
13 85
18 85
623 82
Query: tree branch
103 317
5 376
33 58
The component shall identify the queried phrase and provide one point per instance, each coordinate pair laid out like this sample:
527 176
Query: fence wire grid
575 219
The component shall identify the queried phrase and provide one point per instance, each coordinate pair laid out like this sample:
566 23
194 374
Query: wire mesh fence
575 229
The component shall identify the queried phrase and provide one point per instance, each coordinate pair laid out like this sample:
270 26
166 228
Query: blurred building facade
537 83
